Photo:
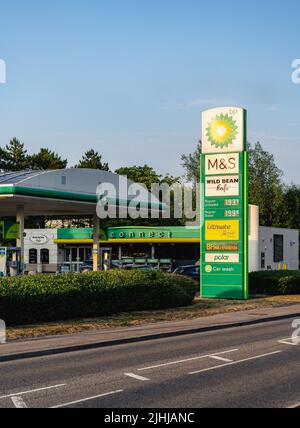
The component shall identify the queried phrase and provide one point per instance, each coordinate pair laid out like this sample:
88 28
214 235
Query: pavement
248 366
94 339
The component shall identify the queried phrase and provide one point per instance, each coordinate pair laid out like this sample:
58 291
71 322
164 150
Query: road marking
134 376
71 403
236 362
19 402
289 341
187 360
295 406
17 394
226 360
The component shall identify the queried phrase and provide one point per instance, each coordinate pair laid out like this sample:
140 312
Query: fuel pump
107 258
13 265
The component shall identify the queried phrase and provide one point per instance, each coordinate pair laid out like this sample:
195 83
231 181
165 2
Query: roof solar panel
15 177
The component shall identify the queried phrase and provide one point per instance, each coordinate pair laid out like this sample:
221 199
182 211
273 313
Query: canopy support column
20 217
153 251
96 244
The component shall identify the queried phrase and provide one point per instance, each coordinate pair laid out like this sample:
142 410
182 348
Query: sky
130 78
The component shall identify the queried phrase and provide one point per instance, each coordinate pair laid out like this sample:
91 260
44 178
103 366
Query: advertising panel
224 204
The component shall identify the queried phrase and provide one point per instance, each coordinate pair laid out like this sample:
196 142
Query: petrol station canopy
60 192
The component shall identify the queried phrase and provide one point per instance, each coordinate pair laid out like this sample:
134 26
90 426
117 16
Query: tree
45 159
291 207
265 185
92 160
265 181
146 175
191 163
13 157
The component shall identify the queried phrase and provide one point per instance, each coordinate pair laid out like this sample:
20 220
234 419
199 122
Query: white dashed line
19 402
225 360
295 406
71 403
187 360
236 362
17 394
134 376
289 341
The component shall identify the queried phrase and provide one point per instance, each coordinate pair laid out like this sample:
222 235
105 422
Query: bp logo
222 131
208 269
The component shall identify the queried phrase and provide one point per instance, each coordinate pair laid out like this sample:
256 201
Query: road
248 367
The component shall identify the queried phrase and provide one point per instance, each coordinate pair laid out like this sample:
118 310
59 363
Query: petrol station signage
224 204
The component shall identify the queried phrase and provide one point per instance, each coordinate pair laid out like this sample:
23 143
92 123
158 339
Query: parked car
139 267
190 271
86 266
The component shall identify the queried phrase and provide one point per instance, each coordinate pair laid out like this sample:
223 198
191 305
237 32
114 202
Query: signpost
3 260
224 204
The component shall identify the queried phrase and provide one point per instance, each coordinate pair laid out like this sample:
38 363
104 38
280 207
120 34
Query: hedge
275 282
43 298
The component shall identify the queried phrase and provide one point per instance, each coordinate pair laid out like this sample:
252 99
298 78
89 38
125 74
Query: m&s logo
2 71
222 164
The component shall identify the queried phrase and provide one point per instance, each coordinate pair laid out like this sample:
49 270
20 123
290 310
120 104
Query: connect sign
224 204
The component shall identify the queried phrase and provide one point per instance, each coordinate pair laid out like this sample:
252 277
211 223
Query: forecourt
60 193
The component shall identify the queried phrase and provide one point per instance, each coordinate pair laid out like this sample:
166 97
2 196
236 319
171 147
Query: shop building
55 250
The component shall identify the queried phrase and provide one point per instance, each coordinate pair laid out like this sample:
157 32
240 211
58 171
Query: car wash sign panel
224 204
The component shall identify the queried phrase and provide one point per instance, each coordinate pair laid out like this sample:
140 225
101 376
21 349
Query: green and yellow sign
9 230
224 204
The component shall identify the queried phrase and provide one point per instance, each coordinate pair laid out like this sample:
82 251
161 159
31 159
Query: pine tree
46 159
14 157
92 160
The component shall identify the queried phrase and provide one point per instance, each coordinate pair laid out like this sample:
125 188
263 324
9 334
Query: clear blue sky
131 77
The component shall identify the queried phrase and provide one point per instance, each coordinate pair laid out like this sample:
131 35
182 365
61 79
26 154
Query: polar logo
2 332
296 72
221 258
2 71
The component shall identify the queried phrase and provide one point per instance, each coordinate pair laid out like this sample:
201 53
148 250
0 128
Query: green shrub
275 282
42 298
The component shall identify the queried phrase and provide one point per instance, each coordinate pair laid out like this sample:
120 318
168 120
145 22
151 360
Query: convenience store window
278 248
45 256
33 256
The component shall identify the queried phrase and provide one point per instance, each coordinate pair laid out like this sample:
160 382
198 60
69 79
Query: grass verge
200 308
